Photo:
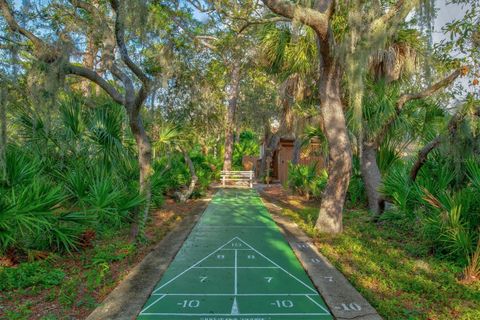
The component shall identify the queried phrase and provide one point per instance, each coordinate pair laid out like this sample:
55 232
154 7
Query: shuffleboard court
235 265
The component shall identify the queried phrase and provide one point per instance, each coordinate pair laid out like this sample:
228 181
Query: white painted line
318 304
163 296
238 294
235 307
228 314
196 264
291 275
237 268
243 227
235 271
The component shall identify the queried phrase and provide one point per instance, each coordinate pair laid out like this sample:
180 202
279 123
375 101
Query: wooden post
223 180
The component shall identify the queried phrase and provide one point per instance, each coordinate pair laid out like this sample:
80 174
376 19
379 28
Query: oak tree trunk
230 116
182 197
372 178
145 167
340 158
297 147
267 157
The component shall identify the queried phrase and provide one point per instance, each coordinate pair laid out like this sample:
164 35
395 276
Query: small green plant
112 252
96 276
356 189
68 292
22 312
30 274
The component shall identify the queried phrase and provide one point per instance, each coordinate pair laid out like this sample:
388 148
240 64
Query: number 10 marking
350 307
189 304
283 303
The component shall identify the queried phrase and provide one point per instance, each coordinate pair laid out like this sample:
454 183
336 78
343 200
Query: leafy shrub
398 188
171 174
110 200
304 180
447 212
356 189
30 274
30 217
206 169
246 146
20 167
388 155
80 173
175 175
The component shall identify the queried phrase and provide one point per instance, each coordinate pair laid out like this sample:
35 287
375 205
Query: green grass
393 269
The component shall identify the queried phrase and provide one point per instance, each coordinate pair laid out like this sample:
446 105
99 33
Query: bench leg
223 182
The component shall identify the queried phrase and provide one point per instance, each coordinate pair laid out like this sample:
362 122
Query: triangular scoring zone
223 247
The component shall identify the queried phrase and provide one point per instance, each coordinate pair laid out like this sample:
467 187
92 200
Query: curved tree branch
393 11
429 147
313 18
41 46
262 21
404 98
96 78
422 156
120 36
141 97
15 27
38 43
429 91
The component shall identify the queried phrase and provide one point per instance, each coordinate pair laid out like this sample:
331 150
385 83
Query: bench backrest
237 176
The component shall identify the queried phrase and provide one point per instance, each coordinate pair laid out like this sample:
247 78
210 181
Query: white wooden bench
246 176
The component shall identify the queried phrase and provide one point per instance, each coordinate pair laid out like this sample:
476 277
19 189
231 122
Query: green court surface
235 265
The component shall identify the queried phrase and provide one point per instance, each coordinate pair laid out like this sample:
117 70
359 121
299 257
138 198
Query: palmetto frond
106 131
168 138
71 115
288 49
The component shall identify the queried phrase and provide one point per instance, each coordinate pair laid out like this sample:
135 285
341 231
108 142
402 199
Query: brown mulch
286 198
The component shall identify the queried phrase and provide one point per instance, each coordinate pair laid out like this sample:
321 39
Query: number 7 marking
202 279
269 279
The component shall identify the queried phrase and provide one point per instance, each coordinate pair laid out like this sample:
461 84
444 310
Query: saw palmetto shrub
445 212
306 181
